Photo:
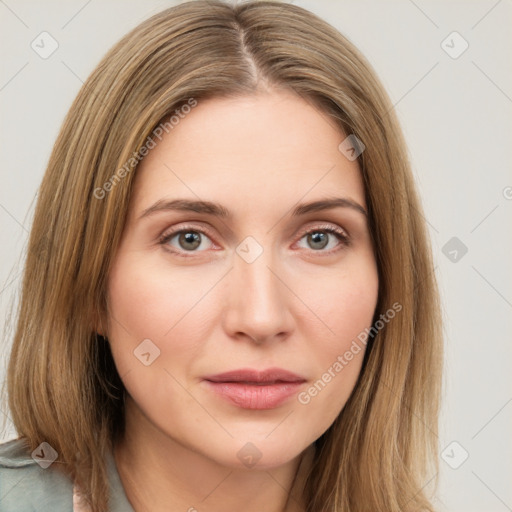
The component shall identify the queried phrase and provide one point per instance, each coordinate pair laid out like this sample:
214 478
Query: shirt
26 486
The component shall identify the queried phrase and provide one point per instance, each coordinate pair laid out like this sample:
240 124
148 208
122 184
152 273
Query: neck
160 474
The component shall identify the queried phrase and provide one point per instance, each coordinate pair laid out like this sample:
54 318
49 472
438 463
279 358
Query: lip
255 389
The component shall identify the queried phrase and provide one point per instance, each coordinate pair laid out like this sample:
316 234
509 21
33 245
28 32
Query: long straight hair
63 387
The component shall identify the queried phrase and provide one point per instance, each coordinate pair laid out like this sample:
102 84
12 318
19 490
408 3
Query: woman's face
226 266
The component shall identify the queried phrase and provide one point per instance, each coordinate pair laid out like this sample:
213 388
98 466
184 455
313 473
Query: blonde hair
63 387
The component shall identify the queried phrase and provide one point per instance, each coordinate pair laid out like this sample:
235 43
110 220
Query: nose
258 303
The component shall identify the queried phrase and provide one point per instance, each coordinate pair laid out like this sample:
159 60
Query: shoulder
29 483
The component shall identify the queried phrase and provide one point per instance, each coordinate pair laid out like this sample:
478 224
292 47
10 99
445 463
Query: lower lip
253 396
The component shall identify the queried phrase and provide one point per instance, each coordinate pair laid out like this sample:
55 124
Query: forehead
271 148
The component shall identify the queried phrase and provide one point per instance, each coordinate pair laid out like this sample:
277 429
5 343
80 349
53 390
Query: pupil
318 239
191 238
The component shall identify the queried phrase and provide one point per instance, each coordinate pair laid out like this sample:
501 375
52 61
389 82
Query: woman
228 300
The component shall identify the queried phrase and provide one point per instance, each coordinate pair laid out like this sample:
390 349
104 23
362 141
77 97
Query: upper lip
249 375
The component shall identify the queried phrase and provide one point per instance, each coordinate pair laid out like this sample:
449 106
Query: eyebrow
216 209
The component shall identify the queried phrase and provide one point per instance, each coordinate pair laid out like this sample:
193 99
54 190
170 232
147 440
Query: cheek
346 306
148 302
151 296
351 311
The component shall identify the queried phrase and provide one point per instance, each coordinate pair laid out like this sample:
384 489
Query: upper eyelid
325 226
172 231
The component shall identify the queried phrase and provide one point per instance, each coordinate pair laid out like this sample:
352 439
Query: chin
265 452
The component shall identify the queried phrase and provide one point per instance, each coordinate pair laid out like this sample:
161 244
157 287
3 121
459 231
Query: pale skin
297 306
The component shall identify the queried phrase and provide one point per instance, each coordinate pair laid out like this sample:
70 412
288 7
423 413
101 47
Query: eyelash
339 233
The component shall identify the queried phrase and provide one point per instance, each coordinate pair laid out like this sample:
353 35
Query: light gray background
456 115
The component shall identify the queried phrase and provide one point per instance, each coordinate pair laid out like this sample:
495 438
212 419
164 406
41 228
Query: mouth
254 389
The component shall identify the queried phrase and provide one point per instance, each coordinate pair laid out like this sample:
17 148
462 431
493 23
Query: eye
185 240
321 237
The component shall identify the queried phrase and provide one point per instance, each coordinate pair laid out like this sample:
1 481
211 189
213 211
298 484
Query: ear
98 324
